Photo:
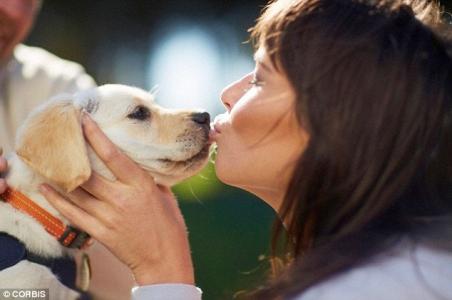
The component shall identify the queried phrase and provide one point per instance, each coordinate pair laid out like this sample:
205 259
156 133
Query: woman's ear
51 142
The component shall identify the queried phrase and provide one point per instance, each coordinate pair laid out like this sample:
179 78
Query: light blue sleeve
167 291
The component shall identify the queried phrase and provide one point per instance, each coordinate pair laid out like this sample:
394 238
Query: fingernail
85 118
43 188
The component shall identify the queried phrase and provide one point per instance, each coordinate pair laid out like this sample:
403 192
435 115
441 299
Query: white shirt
170 291
421 273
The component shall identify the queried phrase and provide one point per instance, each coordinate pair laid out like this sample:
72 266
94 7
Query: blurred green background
191 49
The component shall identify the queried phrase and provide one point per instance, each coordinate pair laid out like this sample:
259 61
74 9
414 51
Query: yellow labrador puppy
50 148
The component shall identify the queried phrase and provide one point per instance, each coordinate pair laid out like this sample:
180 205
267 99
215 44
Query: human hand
138 221
3 168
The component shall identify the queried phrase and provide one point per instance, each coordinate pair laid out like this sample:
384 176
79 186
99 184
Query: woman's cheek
237 142
231 155
245 125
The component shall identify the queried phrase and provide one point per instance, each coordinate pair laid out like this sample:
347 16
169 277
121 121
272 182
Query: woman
344 128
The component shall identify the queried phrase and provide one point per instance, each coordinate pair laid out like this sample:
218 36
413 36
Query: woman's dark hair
373 81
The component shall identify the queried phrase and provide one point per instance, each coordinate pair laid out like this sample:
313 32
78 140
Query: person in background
28 77
344 128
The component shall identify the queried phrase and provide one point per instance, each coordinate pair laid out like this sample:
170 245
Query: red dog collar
67 235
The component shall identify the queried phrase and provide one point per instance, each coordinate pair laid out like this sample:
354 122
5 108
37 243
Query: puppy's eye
140 112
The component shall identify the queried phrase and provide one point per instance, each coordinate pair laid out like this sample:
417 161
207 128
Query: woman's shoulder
419 272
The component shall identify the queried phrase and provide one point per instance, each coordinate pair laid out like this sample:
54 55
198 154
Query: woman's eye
140 113
255 82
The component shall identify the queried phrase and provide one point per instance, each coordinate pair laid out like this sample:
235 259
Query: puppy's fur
50 148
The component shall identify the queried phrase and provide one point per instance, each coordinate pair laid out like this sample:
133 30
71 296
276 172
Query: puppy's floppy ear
51 142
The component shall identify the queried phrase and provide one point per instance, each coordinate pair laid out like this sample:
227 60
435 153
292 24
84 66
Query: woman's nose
233 92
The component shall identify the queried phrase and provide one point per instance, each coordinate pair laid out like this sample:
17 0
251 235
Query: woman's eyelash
255 82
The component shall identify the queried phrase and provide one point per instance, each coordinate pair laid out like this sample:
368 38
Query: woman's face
259 139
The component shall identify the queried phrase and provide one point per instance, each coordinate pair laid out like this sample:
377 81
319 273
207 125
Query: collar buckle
74 238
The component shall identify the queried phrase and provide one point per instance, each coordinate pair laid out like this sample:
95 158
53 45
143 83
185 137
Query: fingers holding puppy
74 213
137 220
115 160
99 186
141 226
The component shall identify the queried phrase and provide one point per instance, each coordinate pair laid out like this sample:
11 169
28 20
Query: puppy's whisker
155 90
204 177
194 195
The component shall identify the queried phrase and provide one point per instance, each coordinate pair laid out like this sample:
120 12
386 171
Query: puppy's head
170 144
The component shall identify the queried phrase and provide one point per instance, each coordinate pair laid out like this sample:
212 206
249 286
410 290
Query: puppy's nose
201 118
